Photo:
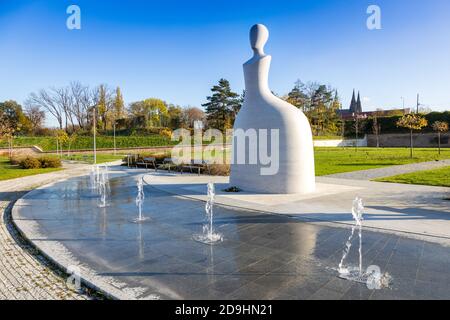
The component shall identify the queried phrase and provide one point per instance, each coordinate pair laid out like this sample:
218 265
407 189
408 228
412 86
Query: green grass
340 160
8 171
89 158
436 177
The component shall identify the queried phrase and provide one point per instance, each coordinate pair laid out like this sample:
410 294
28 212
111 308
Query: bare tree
440 127
47 101
190 115
64 99
376 125
82 102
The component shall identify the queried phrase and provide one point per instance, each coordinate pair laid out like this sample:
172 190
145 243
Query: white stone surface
263 110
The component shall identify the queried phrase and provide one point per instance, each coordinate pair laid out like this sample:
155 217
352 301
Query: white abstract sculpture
263 110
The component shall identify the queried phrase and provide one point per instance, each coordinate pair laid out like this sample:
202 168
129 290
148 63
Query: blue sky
176 50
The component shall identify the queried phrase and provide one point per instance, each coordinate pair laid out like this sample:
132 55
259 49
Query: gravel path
391 171
24 273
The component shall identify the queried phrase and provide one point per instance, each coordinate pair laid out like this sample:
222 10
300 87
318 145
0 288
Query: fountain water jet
94 178
357 213
209 236
102 184
140 201
372 276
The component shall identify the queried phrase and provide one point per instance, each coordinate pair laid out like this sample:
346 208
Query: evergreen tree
320 105
222 106
297 97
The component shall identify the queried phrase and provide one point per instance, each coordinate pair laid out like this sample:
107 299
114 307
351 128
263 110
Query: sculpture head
258 38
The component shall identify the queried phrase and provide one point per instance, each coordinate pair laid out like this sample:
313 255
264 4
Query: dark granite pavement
262 257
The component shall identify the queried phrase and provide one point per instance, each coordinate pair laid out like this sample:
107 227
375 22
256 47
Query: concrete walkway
391 171
24 273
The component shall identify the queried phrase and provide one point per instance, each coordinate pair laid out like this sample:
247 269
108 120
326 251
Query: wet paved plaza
262 256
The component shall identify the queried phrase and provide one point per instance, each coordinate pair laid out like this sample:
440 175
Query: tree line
319 102
76 106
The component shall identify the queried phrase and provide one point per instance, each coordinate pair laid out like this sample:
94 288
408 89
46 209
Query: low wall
23 151
341 143
420 140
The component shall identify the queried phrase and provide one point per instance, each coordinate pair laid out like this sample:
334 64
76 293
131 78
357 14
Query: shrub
389 124
159 157
50 162
167 133
232 190
220 169
30 163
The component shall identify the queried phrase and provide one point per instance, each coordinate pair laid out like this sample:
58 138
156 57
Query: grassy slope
8 171
84 142
436 177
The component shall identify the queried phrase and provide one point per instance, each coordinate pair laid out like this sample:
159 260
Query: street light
114 134
94 123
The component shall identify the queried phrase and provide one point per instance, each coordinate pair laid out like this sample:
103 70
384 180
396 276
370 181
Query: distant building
356 110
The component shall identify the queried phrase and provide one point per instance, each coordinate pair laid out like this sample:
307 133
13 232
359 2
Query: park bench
148 161
198 166
169 162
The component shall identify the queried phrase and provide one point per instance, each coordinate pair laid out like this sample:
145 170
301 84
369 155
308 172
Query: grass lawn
436 177
339 160
8 171
89 158
86 142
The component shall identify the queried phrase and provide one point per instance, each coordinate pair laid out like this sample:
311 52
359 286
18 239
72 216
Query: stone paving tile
262 256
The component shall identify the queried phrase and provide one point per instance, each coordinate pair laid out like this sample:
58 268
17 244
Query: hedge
389 124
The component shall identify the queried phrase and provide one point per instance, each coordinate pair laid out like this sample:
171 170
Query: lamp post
114 135
94 124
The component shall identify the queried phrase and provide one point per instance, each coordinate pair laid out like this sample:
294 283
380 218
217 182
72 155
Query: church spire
353 103
358 104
